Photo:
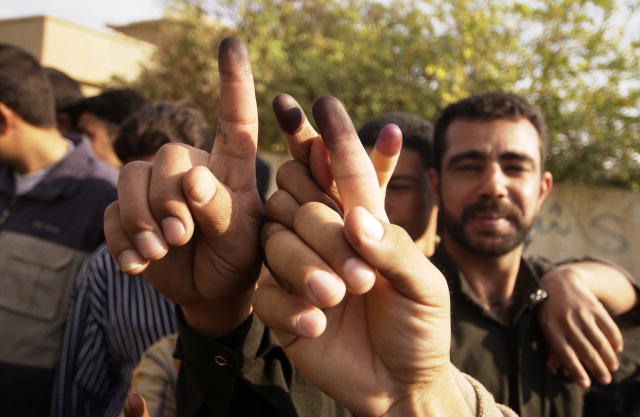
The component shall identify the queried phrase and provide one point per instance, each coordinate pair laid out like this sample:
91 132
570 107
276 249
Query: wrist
217 317
443 396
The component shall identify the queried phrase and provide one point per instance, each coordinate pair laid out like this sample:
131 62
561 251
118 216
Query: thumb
209 201
135 406
390 250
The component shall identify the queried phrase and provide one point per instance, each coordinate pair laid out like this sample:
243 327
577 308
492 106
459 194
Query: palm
370 346
227 260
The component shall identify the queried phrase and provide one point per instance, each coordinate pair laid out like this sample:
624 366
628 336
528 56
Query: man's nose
494 182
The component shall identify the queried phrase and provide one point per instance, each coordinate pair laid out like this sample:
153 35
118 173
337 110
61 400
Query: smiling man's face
490 187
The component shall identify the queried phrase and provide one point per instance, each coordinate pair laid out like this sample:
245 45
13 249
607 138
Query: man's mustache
495 206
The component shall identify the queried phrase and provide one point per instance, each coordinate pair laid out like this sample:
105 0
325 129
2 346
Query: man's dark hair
65 89
155 124
25 87
417 133
113 106
491 105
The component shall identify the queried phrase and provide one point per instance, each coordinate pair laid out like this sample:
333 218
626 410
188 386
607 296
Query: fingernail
129 260
202 191
371 226
605 380
585 382
326 288
172 229
310 323
148 244
358 274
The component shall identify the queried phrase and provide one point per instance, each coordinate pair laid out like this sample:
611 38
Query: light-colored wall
603 222
26 33
87 55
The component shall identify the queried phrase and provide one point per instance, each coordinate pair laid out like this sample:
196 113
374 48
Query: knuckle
274 244
168 149
161 203
397 235
288 170
271 228
280 197
304 214
133 169
111 212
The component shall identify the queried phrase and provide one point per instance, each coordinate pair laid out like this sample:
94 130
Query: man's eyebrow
476 155
517 156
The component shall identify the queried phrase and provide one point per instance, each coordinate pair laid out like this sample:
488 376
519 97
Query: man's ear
434 181
64 122
5 117
546 183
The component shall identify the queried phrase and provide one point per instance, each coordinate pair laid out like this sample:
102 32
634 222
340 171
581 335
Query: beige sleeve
155 378
479 400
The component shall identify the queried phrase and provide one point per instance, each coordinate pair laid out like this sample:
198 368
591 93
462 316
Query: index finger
352 169
234 151
305 144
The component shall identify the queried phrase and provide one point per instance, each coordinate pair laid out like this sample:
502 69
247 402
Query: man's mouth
490 220
488 215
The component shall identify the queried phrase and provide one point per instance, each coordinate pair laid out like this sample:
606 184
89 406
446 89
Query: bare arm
610 285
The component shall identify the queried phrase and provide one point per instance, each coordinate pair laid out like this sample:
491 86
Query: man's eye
514 168
467 167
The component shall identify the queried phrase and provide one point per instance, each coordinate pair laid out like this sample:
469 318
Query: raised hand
308 176
358 308
190 220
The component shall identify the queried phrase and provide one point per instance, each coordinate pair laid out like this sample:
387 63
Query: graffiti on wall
602 231
577 221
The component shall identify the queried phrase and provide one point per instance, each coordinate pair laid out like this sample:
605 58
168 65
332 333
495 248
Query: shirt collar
62 180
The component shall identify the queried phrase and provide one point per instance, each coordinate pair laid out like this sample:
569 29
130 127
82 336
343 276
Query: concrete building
89 56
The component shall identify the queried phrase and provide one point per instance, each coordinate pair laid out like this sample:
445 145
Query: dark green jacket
245 374
510 360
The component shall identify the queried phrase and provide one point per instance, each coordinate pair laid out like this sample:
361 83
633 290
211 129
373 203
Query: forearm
608 283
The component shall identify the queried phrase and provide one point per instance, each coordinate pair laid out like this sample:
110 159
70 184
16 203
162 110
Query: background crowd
84 322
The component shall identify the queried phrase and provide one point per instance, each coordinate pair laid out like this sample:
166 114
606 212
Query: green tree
572 58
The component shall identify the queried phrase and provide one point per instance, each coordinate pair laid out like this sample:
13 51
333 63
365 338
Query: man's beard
481 247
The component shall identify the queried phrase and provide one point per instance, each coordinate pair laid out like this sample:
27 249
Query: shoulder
537 264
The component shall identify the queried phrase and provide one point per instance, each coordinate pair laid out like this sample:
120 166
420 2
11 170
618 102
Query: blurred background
578 60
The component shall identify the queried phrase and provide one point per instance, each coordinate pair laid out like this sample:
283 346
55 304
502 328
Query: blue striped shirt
113 318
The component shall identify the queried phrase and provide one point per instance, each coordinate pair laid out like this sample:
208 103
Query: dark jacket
510 359
44 236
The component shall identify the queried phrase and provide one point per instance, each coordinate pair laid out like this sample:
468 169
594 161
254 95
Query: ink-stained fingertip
288 113
232 51
332 119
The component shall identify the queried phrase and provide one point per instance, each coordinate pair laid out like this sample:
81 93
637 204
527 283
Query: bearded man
489 182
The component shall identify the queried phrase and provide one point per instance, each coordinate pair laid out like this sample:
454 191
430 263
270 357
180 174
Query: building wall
579 220
26 33
89 56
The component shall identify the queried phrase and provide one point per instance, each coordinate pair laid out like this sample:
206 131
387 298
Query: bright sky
95 14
